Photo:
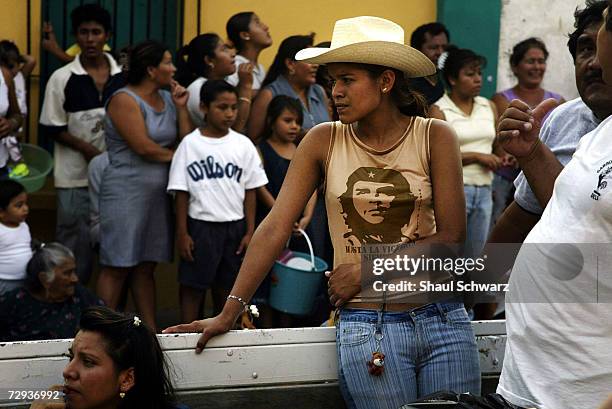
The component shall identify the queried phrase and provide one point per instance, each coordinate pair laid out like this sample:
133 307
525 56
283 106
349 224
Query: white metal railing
238 359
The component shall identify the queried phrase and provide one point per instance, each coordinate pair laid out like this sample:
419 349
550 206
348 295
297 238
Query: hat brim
399 56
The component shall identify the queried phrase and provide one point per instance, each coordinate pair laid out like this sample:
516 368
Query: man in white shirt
558 323
72 114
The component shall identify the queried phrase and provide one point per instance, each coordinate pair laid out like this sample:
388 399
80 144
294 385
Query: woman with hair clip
50 303
388 353
207 57
116 362
293 78
474 119
250 36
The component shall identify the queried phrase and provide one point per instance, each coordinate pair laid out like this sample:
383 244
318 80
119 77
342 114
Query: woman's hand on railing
209 328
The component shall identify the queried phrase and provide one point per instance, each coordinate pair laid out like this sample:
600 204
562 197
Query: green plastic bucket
39 162
294 290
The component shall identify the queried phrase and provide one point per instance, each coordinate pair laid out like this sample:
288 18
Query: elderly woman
115 362
51 303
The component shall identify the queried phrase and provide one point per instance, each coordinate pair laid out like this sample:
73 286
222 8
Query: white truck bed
274 368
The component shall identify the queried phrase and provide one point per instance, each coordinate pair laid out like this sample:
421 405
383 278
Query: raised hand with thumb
519 126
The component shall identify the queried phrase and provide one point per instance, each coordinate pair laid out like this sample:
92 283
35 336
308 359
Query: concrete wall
549 20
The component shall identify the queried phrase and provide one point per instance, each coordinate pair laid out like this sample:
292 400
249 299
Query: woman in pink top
528 63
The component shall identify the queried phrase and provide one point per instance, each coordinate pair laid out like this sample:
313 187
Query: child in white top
15 239
214 173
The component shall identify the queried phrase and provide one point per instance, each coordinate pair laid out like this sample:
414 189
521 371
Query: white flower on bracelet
254 311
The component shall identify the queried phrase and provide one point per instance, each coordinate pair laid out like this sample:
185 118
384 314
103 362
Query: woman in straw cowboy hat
388 354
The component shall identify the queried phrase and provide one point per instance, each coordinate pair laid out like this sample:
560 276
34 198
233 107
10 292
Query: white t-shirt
216 172
475 132
74 104
558 311
193 103
259 73
15 251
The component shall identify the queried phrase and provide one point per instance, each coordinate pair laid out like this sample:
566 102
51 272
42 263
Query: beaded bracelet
251 309
240 300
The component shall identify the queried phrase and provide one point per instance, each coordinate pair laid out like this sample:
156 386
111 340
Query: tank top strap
335 128
266 152
141 104
419 133
144 107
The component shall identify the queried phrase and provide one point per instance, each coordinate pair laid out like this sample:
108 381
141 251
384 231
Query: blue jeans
427 349
479 205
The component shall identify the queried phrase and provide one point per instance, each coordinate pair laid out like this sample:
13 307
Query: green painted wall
474 24
133 21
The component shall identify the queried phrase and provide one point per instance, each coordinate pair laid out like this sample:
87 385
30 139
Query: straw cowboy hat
370 40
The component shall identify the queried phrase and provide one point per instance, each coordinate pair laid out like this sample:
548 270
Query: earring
122 395
211 65
291 71
247 38
384 90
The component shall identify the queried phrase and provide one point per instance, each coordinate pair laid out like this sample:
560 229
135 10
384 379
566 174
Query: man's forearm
185 125
541 169
513 226
79 145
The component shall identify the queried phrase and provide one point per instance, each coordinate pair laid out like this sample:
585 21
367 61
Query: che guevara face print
377 205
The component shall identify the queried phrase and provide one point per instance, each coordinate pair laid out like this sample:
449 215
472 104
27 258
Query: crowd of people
352 143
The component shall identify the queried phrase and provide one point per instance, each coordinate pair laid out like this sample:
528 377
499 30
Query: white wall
550 20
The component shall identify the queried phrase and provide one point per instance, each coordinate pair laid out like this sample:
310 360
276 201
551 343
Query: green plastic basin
39 162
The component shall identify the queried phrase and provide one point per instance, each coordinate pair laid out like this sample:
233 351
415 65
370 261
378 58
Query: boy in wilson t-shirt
214 173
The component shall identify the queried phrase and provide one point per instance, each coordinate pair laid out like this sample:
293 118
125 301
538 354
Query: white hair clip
137 321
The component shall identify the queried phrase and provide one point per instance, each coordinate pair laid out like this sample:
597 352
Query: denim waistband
426 311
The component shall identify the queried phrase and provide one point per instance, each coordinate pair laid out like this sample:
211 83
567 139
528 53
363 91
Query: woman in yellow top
381 167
